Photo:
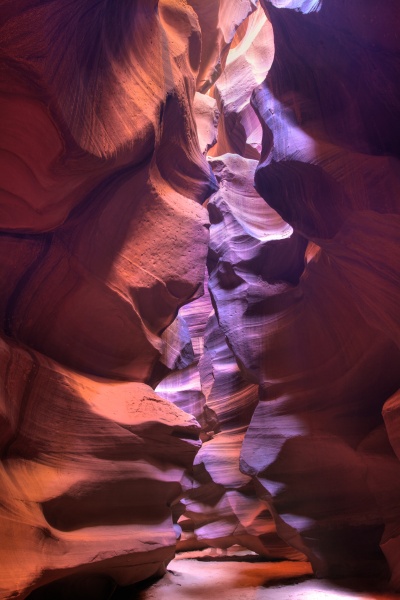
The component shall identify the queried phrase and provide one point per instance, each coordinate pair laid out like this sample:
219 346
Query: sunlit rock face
247 64
89 470
80 97
219 20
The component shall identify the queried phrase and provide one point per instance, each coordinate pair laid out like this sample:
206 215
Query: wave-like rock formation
89 470
103 238
221 508
289 373
219 21
247 64
321 340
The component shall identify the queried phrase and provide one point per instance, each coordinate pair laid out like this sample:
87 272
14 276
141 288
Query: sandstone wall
132 135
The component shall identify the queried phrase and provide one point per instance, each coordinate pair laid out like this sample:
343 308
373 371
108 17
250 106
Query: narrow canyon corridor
200 300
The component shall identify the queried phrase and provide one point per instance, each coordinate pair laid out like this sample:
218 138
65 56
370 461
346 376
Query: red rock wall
323 341
103 238
291 368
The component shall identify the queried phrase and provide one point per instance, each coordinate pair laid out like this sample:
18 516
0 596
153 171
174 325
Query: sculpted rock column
222 508
327 356
103 238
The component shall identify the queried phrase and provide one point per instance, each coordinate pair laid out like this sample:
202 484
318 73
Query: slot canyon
199 299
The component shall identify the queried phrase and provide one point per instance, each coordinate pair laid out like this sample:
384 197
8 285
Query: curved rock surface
222 508
89 470
219 20
116 157
323 342
103 238
324 376
94 105
97 293
290 377
248 62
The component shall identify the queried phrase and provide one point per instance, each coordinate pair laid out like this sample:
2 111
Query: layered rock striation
103 238
315 322
288 372
89 470
220 508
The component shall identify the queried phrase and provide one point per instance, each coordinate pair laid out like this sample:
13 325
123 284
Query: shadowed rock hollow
145 144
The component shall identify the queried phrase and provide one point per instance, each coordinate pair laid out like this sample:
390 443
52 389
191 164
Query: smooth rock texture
110 288
301 333
94 105
97 293
219 20
103 238
140 141
248 62
89 470
323 342
222 508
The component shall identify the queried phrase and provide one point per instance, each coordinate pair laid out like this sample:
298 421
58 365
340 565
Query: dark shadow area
287 581
76 587
134 592
368 585
248 558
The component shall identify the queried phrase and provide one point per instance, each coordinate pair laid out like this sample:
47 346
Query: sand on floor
190 579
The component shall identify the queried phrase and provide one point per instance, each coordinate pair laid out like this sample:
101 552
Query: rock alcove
200 281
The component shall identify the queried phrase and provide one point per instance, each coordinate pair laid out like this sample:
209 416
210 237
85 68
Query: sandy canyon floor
227 578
